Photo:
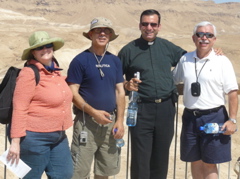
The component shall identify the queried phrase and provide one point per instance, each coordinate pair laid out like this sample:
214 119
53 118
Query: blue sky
221 1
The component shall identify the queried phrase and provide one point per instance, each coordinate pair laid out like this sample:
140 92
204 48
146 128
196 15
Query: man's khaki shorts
100 146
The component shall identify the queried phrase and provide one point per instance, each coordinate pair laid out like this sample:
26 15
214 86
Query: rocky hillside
69 18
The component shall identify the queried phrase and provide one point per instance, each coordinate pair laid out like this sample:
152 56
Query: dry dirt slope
69 18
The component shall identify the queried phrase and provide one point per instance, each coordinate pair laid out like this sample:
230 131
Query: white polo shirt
216 78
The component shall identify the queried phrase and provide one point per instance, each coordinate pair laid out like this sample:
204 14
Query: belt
151 100
199 112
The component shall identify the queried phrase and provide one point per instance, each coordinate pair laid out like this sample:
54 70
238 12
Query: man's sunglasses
100 30
145 24
42 47
202 34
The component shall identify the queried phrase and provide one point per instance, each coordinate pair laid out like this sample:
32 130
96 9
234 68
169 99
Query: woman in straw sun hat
42 112
39 39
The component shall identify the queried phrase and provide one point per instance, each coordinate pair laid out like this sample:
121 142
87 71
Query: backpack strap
35 70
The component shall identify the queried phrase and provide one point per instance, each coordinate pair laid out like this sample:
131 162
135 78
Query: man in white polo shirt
207 79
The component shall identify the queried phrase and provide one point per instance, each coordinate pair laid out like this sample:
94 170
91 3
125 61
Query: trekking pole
127 154
229 169
186 170
5 167
176 130
239 168
218 170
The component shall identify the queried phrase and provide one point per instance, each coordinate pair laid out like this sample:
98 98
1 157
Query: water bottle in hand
212 128
119 142
132 114
133 106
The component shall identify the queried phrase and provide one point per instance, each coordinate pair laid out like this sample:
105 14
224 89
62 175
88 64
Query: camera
83 137
196 89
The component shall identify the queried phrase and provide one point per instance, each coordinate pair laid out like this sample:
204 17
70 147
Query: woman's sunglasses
42 47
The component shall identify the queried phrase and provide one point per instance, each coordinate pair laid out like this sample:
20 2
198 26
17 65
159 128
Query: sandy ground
182 170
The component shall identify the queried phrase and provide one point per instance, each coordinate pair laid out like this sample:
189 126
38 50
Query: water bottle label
214 128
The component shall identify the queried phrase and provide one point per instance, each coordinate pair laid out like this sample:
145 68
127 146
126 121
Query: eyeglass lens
100 30
145 24
46 46
202 34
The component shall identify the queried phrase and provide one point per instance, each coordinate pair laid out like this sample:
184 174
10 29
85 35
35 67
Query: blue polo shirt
96 90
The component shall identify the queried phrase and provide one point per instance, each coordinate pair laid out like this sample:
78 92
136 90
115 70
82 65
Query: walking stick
176 95
127 155
5 167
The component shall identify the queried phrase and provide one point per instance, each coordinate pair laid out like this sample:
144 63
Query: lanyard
99 61
99 65
84 120
197 75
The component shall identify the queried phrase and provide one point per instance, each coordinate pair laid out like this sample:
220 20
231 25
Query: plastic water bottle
132 113
212 128
119 142
133 106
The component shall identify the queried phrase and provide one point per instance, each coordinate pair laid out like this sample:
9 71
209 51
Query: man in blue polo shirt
96 80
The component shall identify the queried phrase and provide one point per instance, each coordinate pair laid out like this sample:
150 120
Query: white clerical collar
151 43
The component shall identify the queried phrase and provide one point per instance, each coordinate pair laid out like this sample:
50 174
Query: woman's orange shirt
42 108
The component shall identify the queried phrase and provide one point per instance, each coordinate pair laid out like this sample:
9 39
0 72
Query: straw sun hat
101 22
38 39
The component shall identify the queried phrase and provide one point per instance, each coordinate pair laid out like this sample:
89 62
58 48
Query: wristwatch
233 120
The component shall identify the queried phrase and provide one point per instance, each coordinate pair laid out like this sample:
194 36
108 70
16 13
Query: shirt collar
211 54
43 67
143 41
